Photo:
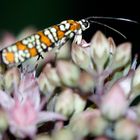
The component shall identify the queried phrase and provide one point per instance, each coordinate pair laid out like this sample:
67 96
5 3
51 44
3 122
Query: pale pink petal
23 114
22 119
49 116
23 132
28 88
27 82
5 100
131 114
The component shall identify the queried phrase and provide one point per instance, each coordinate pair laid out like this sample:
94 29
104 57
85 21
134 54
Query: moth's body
43 41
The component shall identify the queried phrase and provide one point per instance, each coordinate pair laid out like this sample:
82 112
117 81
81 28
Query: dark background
16 15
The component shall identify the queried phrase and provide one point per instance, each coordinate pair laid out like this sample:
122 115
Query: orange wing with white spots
40 42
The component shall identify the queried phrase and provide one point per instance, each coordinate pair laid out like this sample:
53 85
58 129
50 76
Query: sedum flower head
94 87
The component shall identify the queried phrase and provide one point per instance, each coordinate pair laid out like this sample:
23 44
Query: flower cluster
86 91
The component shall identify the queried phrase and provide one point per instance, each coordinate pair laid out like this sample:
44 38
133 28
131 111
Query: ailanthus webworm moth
45 40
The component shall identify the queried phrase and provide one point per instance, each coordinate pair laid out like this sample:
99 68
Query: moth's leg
84 44
78 37
20 66
60 43
36 63
39 56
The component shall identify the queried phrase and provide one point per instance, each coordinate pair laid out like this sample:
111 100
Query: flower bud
79 103
126 69
65 103
125 129
51 104
112 50
112 45
44 85
63 134
99 50
136 81
51 75
3 121
122 55
81 123
114 103
11 79
81 56
86 82
125 83
64 51
68 73
43 137
115 77
98 126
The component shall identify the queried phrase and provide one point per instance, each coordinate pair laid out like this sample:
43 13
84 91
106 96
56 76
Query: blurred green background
17 14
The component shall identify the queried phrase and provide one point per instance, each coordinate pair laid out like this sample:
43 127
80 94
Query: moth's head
84 24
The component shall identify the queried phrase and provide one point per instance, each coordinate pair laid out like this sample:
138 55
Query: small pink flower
24 108
23 119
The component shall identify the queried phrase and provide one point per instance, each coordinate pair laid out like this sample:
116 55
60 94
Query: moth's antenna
112 18
115 30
